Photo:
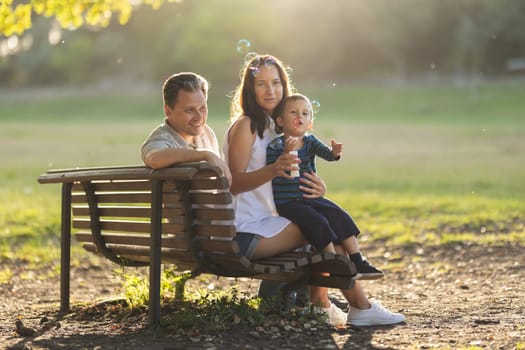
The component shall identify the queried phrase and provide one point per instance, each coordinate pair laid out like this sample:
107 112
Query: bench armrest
184 171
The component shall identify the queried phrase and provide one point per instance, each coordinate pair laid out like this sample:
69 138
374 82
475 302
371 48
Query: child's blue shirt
285 190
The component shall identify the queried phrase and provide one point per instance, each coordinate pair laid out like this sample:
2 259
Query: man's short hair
187 81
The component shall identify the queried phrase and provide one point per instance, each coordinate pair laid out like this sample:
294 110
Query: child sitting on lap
323 223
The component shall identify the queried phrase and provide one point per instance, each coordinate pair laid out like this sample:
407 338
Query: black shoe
365 271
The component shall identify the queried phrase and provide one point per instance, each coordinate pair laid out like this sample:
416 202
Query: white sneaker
375 316
336 316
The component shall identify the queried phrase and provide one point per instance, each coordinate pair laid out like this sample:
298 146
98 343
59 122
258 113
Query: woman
261 232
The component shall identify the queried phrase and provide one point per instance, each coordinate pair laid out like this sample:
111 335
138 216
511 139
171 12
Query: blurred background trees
325 41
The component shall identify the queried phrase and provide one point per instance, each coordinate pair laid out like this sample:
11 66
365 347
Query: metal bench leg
65 247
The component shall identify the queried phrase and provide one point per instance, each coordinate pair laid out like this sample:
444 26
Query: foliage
5 275
15 18
216 311
213 310
380 39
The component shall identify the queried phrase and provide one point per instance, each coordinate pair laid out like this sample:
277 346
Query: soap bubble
249 56
316 106
243 46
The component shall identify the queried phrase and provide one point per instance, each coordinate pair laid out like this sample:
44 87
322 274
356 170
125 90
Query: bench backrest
196 213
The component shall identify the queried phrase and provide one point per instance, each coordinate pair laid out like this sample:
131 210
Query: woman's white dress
255 210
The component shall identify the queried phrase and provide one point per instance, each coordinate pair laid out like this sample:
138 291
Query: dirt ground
454 297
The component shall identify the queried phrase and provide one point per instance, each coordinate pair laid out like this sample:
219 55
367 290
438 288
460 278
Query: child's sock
356 258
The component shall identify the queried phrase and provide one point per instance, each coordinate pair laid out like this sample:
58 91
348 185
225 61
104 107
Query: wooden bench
136 216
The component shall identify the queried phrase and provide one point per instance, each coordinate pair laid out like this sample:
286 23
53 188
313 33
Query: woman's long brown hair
244 102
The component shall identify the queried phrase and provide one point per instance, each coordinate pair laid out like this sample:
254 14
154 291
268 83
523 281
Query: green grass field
424 164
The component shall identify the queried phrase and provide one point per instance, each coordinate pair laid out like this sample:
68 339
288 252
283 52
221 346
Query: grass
436 220
484 104
425 165
212 310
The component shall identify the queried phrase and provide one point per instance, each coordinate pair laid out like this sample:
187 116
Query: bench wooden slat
136 250
241 264
265 268
177 242
228 259
182 257
284 276
116 186
134 239
125 198
128 226
127 211
300 259
213 214
174 227
209 172
211 198
214 230
128 173
334 263
208 184
282 264
126 185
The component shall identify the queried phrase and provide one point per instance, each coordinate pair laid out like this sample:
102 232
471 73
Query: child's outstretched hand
337 148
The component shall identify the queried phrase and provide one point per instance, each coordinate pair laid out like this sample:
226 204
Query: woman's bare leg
291 238
355 296
319 296
288 239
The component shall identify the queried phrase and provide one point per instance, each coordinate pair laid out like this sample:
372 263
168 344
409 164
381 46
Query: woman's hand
315 186
284 164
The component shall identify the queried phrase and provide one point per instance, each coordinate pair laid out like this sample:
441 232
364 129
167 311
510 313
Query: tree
15 16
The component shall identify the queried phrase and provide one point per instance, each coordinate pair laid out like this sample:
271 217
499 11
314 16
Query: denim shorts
247 243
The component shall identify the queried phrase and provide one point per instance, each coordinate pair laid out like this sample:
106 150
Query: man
184 135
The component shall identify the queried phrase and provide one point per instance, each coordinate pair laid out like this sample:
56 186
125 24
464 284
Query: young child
322 222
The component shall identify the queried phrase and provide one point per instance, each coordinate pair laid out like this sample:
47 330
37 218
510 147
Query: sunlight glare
55 35
12 43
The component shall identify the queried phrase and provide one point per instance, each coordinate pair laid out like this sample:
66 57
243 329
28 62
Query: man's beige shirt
164 136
